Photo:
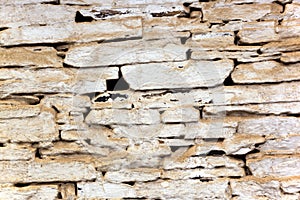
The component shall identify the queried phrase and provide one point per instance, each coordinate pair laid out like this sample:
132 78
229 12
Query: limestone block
291 186
35 129
255 189
290 57
126 175
211 40
72 32
67 190
97 190
180 115
29 57
45 171
13 152
176 75
35 14
23 2
278 166
271 127
19 111
123 117
287 145
34 192
241 56
289 44
125 52
264 72
183 189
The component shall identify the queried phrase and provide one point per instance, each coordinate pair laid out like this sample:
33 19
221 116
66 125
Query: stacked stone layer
150 99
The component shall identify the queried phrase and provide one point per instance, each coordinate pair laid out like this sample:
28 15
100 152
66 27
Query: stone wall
148 99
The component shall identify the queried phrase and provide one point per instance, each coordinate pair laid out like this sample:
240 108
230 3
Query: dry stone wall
147 99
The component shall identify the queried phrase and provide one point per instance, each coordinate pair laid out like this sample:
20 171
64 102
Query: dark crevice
117 84
166 14
59 195
213 139
19 185
107 13
236 38
131 183
228 81
2 145
56 109
216 153
188 54
103 173
38 154
175 148
3 28
80 18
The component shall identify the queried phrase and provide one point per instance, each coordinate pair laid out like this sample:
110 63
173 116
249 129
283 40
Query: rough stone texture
149 99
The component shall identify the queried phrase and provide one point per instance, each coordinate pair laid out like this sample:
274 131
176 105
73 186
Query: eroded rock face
149 99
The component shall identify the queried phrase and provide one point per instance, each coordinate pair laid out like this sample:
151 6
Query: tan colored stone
13 152
67 190
257 32
287 145
211 40
35 129
183 189
289 29
26 172
241 56
72 32
255 189
41 192
177 75
19 111
125 175
292 11
125 52
239 12
273 127
19 100
290 57
35 14
29 57
275 166
123 117
289 44
178 114
264 72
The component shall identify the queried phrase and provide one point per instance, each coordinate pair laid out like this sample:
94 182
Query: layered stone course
175 99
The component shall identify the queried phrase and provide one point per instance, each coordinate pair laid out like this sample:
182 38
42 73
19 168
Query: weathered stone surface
260 93
72 32
291 186
67 190
43 192
19 100
253 189
125 117
290 57
35 129
208 162
177 75
287 145
140 174
202 173
241 56
126 52
23 2
97 190
180 115
264 72
19 111
237 110
39 14
45 80
29 57
273 127
183 189
239 12
211 40
257 32
289 44
26 172
16 152
280 166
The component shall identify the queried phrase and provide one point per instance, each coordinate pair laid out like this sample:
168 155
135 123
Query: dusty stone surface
149 99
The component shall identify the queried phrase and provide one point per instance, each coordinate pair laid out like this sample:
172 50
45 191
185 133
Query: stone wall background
147 99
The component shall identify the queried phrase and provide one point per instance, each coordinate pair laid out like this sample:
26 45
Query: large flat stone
211 40
42 192
265 72
180 115
289 44
286 145
126 52
16 152
291 186
275 166
273 127
29 57
35 129
290 57
72 32
22 111
45 171
177 75
125 117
